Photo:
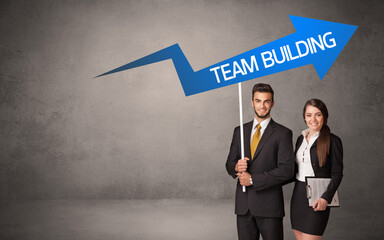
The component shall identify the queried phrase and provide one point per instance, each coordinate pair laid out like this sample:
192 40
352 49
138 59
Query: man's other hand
244 179
241 165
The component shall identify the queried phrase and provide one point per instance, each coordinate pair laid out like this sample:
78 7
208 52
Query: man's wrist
250 181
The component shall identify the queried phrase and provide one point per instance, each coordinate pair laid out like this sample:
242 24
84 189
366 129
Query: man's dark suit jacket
333 167
272 165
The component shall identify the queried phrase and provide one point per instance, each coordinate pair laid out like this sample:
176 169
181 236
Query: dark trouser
250 227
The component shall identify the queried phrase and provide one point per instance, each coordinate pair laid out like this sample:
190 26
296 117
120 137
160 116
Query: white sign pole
241 125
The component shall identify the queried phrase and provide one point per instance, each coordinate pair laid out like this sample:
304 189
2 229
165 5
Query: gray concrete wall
65 134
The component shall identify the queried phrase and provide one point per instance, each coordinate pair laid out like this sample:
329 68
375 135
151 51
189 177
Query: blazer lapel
267 133
314 144
298 143
247 139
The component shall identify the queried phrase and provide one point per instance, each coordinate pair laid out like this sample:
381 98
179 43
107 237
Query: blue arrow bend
315 42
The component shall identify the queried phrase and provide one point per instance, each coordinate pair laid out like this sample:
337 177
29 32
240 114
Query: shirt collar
263 124
306 131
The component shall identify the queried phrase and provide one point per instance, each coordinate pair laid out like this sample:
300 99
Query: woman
319 153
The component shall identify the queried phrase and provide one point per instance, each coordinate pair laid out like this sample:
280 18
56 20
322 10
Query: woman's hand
320 205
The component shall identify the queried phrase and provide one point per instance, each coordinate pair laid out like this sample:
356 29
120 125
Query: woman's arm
336 163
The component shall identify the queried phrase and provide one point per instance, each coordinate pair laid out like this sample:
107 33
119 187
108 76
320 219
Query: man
268 163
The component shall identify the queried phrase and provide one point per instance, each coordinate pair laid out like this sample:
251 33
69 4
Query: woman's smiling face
314 118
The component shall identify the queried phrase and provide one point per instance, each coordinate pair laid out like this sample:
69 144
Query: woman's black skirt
303 217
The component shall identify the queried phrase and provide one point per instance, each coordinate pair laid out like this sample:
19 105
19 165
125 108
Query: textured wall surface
66 134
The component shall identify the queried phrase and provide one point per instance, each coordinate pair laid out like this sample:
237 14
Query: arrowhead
323 60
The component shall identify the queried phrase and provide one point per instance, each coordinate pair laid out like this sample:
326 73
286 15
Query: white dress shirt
303 157
263 125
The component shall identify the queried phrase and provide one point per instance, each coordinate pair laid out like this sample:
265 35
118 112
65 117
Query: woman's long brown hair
324 139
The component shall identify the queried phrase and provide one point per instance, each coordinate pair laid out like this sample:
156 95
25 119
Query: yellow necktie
255 140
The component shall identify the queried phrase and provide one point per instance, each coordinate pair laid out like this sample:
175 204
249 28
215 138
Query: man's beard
264 116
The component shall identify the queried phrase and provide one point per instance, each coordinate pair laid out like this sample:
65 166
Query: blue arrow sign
315 42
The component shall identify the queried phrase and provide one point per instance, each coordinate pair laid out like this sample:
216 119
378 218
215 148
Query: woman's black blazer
333 167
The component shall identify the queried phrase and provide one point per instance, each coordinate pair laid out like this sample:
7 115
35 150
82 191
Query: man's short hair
262 87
